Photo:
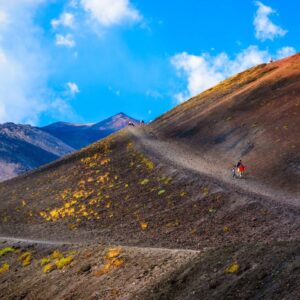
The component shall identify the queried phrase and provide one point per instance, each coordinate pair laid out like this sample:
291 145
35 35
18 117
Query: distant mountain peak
24 147
80 135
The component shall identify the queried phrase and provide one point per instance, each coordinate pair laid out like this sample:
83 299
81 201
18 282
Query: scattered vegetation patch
112 261
5 250
113 252
48 268
45 261
25 258
4 268
57 260
64 261
233 268
144 226
161 192
144 181
56 254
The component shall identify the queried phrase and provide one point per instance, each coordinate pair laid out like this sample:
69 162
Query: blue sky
85 60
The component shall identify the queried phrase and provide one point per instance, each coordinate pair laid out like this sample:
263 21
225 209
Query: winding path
180 155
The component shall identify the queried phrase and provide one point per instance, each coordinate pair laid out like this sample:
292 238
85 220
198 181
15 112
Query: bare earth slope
254 116
112 195
23 148
148 213
182 155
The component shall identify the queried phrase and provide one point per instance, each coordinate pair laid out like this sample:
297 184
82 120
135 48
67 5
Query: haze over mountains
163 195
23 147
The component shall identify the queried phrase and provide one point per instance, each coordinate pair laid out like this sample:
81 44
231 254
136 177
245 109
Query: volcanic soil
148 214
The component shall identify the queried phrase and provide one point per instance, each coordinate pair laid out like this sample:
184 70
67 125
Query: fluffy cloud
204 71
66 19
65 40
3 18
285 51
73 89
109 13
24 65
264 28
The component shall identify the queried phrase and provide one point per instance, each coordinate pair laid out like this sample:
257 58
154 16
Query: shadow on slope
253 115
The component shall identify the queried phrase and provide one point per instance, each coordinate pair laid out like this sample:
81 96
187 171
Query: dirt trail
182 156
32 241
63 243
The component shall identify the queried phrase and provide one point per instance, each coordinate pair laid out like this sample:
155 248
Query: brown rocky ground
112 192
112 196
88 272
133 223
253 115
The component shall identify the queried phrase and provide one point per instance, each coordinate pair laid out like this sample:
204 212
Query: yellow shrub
25 258
64 261
5 250
205 191
48 268
161 192
118 262
145 181
226 229
113 252
56 254
148 163
143 225
4 268
115 263
44 261
233 268
105 162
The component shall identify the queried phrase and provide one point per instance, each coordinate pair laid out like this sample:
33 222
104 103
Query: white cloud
24 66
60 108
23 70
264 28
4 20
109 13
285 51
65 40
73 89
74 3
204 71
66 19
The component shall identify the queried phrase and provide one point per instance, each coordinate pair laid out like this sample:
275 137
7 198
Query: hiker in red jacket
241 168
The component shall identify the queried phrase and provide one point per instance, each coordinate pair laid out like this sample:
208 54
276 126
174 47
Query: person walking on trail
241 168
233 171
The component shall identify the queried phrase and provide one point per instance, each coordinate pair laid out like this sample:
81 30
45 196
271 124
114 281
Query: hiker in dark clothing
233 171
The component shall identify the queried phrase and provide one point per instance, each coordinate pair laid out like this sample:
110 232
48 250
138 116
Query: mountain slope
144 208
23 148
80 135
111 193
253 116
